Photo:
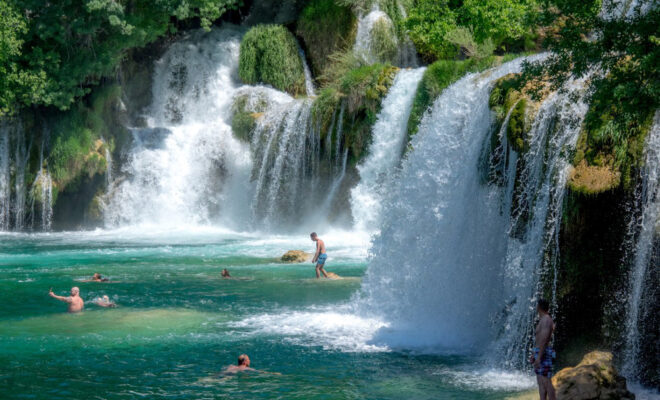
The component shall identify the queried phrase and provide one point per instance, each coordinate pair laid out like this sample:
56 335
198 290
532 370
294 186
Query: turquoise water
179 323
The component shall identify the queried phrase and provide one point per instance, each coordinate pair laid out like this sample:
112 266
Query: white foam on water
332 329
643 392
488 379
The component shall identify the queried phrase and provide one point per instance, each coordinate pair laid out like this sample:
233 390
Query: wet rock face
593 378
296 256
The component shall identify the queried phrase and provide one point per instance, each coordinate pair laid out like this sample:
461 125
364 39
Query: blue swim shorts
322 258
545 367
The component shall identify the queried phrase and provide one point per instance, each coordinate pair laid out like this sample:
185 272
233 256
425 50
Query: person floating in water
76 303
243 364
543 353
320 256
96 278
105 302
225 273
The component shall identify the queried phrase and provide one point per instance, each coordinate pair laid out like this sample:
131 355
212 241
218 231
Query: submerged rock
296 256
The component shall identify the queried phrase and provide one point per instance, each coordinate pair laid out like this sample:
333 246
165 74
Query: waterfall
363 39
21 155
458 261
42 190
647 228
284 146
185 165
388 138
309 83
5 178
535 217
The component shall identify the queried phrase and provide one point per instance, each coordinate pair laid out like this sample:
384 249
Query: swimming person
76 303
225 273
105 302
96 278
243 364
320 256
543 353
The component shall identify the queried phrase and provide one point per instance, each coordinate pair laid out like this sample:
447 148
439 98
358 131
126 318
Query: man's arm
60 298
316 255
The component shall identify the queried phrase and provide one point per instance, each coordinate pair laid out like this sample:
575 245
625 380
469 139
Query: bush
269 54
385 45
325 28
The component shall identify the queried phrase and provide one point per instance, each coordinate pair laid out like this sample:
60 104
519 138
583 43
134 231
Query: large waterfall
646 232
389 132
454 251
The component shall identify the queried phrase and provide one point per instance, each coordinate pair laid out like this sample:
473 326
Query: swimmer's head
106 298
96 275
243 359
75 291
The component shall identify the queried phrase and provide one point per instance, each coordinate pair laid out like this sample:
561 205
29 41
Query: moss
246 109
437 77
516 132
385 45
269 55
362 90
325 28
603 144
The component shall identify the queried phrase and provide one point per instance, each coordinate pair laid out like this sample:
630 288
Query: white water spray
648 228
389 133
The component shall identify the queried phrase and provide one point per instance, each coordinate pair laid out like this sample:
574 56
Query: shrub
269 54
325 28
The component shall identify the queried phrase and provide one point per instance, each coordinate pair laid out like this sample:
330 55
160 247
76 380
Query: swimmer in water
76 303
105 302
96 278
243 364
225 274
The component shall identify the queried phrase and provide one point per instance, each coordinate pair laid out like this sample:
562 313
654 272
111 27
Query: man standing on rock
319 256
543 353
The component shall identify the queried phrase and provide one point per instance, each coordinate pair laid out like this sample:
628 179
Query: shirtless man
242 365
543 353
319 256
76 303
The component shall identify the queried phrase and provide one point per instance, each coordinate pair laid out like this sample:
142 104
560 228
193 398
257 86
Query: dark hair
543 305
313 234
241 359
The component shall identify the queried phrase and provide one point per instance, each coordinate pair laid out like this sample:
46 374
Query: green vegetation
507 97
624 90
505 24
244 116
326 28
439 76
53 52
269 54
361 88
77 148
385 44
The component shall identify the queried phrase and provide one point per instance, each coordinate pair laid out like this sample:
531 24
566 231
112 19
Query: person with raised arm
75 302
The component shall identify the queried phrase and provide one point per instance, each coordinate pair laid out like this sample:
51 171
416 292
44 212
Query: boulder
593 378
296 256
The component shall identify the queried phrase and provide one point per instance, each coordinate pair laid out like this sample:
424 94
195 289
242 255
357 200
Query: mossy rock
246 110
269 55
326 28
593 179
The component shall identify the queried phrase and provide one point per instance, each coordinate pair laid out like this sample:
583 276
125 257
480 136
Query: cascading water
647 231
464 252
5 178
309 83
183 160
187 167
535 216
363 38
388 135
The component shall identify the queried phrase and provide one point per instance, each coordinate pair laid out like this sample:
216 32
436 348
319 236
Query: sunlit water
179 323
